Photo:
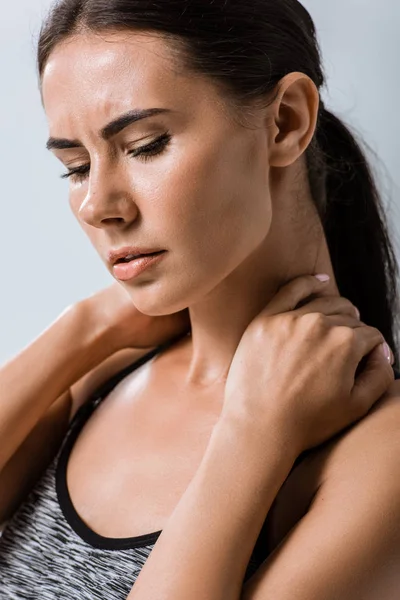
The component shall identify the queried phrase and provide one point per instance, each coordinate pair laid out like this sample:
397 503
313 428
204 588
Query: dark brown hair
246 47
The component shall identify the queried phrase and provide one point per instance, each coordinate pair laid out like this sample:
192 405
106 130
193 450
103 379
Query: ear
292 119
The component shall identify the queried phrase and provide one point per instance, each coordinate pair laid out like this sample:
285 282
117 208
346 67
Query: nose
109 199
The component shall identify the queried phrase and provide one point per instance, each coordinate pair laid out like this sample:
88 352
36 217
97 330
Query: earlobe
294 119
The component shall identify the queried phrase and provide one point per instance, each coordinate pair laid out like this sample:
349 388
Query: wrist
97 336
255 434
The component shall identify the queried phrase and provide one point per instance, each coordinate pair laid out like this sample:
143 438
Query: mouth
131 266
131 257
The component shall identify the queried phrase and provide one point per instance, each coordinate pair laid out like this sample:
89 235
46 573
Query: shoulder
346 542
365 454
82 389
371 446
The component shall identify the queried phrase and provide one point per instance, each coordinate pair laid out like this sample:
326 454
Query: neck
292 247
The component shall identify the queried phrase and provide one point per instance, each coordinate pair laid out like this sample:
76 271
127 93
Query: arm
27 464
33 456
205 547
347 546
43 371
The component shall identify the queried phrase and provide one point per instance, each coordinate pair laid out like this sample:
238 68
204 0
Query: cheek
215 204
212 229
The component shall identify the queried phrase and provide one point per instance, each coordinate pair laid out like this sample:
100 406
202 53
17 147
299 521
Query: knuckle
374 331
314 320
346 301
285 324
257 330
261 327
346 336
349 306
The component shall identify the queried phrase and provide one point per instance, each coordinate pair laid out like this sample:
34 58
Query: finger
370 385
366 339
290 294
344 321
328 305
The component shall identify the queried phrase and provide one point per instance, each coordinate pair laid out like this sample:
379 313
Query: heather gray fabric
47 552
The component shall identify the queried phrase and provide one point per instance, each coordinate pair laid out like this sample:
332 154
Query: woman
256 442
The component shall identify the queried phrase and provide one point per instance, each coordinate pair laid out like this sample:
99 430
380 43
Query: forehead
115 72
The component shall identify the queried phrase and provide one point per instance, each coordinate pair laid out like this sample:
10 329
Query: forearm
45 369
204 550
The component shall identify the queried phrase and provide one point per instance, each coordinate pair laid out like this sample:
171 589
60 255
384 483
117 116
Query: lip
115 255
136 266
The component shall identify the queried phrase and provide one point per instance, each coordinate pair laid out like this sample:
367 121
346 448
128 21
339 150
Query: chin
154 304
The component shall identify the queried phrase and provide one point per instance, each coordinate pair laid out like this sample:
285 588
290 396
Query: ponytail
355 225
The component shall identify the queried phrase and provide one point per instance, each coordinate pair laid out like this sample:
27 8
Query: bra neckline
80 419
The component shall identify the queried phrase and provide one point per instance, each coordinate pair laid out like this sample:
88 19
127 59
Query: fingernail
387 352
357 313
322 277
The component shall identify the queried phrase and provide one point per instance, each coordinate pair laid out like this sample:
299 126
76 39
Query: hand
113 308
299 366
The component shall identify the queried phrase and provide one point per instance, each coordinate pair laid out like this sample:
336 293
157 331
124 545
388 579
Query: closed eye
144 154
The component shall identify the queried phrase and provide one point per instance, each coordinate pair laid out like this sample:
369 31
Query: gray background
46 261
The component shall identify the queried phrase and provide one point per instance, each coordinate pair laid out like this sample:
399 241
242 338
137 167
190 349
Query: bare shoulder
89 383
344 541
373 443
368 449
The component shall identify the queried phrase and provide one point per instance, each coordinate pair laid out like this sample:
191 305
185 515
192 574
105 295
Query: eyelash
144 154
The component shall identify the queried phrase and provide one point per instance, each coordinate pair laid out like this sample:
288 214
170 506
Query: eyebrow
110 129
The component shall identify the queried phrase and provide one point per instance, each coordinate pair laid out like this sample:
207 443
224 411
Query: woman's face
202 196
